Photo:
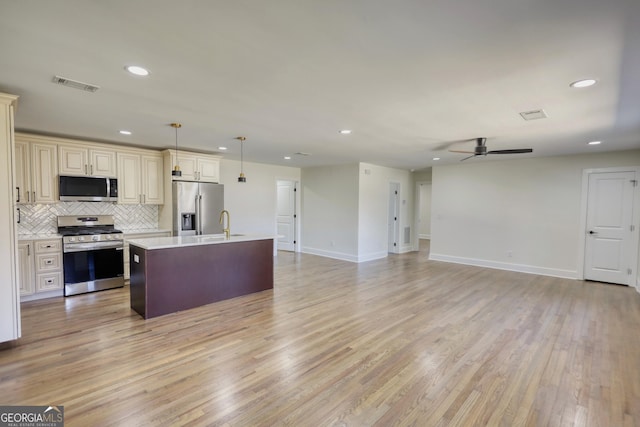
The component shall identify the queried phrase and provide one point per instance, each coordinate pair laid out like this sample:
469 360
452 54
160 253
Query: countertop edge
153 243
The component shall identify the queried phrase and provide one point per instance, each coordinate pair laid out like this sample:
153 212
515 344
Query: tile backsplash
42 219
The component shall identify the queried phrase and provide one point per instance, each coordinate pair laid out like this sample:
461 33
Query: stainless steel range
92 253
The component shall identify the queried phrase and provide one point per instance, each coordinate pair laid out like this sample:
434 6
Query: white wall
373 213
252 205
482 210
329 203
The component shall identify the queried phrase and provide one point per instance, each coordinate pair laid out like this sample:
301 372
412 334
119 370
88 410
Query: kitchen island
170 274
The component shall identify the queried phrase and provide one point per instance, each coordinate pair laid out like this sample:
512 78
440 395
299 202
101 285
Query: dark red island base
172 279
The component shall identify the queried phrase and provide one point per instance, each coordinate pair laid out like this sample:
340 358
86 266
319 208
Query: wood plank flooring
396 342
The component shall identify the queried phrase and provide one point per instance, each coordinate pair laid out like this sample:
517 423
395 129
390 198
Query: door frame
397 188
417 213
635 219
296 220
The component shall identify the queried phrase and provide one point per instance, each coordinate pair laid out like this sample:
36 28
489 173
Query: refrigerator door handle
199 213
197 216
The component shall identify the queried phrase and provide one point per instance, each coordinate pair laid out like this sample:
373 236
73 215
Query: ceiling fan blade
462 160
513 151
463 152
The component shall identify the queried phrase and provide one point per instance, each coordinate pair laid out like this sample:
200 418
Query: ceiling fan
481 150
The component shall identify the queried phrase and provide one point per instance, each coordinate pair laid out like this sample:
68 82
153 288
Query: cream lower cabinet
48 262
40 263
140 178
36 166
25 267
130 236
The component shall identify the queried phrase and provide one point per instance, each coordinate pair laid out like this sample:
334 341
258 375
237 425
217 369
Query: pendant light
241 178
176 169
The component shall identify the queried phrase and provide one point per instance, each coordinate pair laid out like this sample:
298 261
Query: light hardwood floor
399 341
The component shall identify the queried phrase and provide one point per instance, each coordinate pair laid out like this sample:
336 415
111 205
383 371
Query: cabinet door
102 163
129 178
188 165
44 173
209 170
73 160
152 184
25 268
23 173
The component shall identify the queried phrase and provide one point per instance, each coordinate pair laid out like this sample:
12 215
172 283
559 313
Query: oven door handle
92 246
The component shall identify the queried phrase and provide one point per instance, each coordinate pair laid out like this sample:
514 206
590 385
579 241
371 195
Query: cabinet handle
28 196
18 188
34 196
144 199
49 281
48 246
49 262
28 249
91 170
19 219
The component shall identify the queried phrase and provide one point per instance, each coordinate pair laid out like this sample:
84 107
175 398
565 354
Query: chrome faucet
227 231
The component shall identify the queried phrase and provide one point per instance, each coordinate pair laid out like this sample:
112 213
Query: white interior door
286 215
394 217
609 227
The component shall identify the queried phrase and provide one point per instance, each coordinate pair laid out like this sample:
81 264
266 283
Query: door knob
593 232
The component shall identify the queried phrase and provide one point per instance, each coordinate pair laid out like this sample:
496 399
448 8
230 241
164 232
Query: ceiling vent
534 114
302 153
87 87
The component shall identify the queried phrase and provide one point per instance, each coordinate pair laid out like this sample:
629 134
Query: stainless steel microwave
88 189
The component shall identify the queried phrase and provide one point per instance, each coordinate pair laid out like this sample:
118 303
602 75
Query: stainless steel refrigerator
197 207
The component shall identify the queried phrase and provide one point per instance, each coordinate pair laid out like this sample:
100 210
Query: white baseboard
424 236
42 295
544 271
344 257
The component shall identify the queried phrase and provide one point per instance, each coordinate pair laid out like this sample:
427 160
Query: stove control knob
107 237
72 239
95 238
81 238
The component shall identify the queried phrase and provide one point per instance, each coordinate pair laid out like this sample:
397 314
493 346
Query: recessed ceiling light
345 131
125 132
287 157
222 148
595 142
583 83
436 158
137 70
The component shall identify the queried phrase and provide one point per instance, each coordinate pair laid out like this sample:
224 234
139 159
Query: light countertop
151 243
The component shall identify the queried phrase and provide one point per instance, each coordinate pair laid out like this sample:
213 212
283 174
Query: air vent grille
302 153
87 87
534 114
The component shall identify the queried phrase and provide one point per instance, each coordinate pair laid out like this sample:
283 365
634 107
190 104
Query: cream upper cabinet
23 172
44 172
208 170
152 179
36 172
195 167
75 160
140 178
129 178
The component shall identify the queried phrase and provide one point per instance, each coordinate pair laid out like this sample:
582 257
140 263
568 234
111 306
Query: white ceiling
407 76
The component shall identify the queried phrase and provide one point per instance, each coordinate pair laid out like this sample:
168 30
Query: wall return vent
534 114
87 87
